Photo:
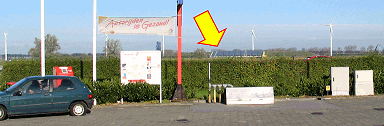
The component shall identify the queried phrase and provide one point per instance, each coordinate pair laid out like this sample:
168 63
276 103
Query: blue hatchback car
49 94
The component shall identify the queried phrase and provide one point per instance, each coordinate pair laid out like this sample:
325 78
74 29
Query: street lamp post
94 42
42 45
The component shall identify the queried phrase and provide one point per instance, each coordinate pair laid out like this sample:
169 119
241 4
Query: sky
277 23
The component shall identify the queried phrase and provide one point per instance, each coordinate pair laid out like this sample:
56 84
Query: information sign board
140 66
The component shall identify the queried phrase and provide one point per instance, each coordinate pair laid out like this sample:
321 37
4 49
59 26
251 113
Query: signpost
144 26
328 88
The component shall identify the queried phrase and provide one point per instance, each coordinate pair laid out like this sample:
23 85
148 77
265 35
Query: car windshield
16 85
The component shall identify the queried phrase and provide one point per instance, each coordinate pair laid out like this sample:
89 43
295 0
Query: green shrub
287 76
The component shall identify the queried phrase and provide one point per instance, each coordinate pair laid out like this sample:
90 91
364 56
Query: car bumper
89 103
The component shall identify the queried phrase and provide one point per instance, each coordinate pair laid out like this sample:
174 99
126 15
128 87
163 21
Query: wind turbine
331 32
253 37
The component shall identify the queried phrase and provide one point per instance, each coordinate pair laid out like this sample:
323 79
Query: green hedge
110 91
287 76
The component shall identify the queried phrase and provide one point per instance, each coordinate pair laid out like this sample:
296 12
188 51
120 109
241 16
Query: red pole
179 92
179 14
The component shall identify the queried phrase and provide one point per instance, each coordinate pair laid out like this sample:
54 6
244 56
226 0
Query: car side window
63 85
35 86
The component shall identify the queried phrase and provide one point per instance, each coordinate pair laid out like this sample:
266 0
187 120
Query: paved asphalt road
336 111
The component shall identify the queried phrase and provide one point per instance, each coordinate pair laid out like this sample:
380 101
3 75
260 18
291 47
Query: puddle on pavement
317 113
183 120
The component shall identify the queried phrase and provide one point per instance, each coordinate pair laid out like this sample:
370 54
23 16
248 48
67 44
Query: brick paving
335 111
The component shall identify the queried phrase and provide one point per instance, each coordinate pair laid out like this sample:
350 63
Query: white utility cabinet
364 82
340 81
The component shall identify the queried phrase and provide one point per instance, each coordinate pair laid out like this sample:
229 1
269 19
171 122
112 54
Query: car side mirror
17 93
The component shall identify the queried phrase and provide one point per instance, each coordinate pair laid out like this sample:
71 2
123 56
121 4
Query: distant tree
169 53
81 55
339 49
281 49
325 49
199 53
236 50
354 48
347 48
362 49
378 51
292 49
213 50
51 46
303 49
370 48
275 49
113 48
84 56
314 49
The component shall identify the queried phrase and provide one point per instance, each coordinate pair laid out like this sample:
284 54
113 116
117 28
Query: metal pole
214 94
179 23
160 94
94 46
106 45
94 41
179 92
209 81
42 45
331 43
161 82
5 53
220 93
253 42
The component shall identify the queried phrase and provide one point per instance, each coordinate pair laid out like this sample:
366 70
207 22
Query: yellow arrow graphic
208 29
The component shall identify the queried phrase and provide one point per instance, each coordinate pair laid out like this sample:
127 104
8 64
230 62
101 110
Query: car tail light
90 96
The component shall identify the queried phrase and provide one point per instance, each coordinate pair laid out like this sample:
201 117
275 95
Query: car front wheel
77 109
3 113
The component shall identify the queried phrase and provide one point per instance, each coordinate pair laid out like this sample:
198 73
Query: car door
35 98
63 94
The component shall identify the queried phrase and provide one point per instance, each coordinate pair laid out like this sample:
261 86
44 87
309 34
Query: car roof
49 76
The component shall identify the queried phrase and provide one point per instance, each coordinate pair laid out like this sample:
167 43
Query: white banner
137 25
140 66
250 95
